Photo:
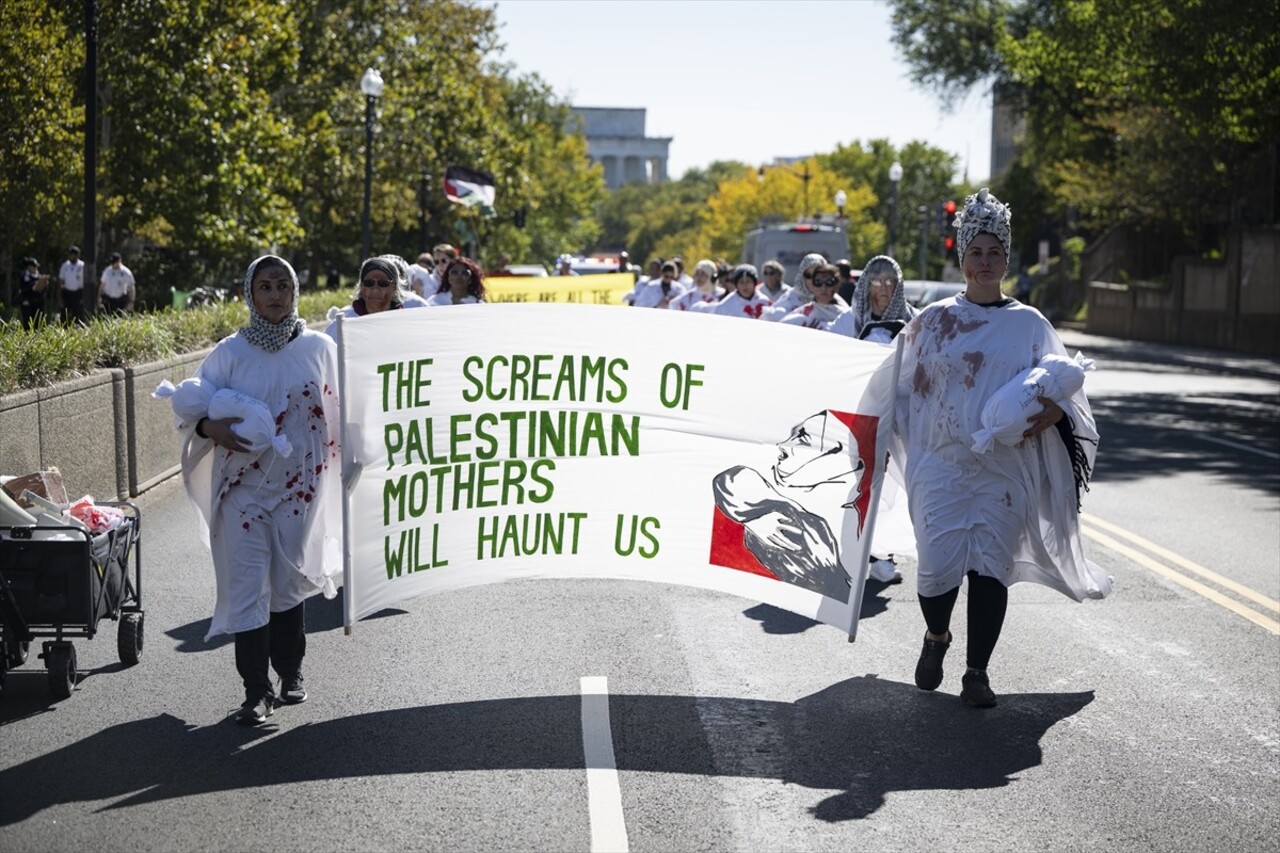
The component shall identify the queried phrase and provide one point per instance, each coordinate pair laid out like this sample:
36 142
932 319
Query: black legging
988 601
282 642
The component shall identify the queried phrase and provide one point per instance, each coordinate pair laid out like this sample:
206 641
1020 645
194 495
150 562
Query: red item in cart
97 518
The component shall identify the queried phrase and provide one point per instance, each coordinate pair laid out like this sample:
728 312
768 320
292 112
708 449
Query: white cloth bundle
1004 417
194 399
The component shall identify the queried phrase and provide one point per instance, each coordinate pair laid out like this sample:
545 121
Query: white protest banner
494 442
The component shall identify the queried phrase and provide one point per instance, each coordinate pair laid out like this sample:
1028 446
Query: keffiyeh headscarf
982 213
879 267
270 336
803 294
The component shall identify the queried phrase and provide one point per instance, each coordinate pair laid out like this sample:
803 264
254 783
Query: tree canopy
230 127
1147 112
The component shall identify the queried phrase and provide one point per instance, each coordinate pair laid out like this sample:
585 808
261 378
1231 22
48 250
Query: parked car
920 293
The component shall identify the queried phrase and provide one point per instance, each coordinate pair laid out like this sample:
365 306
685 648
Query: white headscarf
271 336
982 213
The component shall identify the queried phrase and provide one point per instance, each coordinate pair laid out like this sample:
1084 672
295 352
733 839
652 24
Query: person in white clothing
824 309
658 294
653 272
880 307
71 283
463 284
273 523
880 311
746 299
705 291
117 288
383 286
772 287
1001 516
800 293
421 281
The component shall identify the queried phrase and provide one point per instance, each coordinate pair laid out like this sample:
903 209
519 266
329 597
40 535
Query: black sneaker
255 711
976 690
929 667
291 691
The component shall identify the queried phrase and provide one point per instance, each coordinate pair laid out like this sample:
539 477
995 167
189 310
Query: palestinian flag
468 187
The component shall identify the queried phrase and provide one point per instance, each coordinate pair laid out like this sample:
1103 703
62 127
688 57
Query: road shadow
322 614
1151 435
775 620
852 743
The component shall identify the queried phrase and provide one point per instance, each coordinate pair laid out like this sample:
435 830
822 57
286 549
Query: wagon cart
59 582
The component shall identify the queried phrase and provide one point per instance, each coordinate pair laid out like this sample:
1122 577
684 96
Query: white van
788 242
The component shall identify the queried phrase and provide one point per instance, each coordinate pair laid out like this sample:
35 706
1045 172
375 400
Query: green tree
42 166
1157 113
926 181
195 158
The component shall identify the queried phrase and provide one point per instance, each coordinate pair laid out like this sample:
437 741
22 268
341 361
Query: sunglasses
825 282
375 282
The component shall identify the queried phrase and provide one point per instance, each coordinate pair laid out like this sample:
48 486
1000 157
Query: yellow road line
1195 586
1238 588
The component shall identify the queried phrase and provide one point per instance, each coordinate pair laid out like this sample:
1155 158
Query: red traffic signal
949 243
949 207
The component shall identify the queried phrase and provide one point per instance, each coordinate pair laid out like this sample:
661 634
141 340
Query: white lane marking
1177 577
604 795
1178 560
1237 445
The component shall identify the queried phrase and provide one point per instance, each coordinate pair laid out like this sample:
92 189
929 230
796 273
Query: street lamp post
90 253
895 177
371 85
841 199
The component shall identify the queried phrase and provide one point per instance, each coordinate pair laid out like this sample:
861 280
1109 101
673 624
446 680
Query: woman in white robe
704 293
462 283
746 299
800 294
273 523
825 308
994 518
880 307
383 286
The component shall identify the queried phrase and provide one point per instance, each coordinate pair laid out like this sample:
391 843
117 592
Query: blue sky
745 80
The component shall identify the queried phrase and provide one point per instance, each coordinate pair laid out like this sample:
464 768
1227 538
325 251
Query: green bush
53 353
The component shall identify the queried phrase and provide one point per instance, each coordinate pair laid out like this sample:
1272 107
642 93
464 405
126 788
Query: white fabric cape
237 364
1011 513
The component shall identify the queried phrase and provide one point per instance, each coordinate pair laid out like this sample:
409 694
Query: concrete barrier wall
104 432
1230 304
76 426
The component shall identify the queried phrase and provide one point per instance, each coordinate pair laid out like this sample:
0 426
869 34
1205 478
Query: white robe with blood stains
1011 513
272 523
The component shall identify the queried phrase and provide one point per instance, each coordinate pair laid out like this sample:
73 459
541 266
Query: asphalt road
1148 721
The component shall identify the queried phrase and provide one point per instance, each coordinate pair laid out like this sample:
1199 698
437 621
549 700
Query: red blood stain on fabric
975 361
920 383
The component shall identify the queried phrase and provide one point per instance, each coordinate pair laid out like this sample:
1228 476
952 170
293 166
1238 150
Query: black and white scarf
271 337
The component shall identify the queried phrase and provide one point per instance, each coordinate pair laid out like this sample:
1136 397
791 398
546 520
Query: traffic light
948 229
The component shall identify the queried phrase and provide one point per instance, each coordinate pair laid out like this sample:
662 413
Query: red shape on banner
729 549
864 428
